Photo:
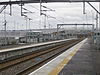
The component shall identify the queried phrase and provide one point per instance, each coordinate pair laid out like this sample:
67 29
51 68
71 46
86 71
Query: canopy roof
37 1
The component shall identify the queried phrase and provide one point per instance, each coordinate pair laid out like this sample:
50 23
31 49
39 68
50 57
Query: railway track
27 64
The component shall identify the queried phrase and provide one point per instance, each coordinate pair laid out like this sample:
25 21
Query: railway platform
81 59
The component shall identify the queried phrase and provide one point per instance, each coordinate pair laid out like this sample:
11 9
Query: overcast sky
64 13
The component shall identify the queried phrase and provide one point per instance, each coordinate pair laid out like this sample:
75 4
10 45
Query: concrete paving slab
85 62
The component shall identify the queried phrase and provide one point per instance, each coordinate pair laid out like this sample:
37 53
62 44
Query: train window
95 33
98 34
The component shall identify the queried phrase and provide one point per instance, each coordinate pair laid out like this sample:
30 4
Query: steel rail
45 53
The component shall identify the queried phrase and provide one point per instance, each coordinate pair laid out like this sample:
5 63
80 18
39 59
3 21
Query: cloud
65 13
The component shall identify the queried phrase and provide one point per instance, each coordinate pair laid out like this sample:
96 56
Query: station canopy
44 1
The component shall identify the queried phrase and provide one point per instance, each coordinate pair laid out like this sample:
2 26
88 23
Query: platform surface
57 64
81 59
85 62
33 45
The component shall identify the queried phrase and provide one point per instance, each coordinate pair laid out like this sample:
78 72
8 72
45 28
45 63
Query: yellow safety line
60 66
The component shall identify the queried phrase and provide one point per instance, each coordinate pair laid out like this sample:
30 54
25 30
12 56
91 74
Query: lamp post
99 16
5 28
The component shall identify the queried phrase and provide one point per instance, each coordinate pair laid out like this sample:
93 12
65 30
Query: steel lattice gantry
44 1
